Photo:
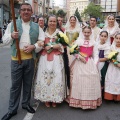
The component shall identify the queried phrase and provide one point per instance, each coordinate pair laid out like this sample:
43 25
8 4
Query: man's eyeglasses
28 10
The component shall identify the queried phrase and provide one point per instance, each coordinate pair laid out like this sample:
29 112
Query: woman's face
111 20
103 37
52 22
117 39
72 21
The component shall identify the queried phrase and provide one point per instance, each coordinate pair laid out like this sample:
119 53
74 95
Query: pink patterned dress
85 89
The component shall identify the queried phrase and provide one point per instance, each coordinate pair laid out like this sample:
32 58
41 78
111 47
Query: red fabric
50 56
87 50
111 40
63 29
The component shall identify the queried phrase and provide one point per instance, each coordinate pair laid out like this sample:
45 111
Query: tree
93 10
61 13
53 12
77 14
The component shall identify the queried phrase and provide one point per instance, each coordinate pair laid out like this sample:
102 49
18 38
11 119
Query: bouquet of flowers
60 38
113 57
74 49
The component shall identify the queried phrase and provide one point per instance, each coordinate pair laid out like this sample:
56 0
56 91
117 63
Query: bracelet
51 46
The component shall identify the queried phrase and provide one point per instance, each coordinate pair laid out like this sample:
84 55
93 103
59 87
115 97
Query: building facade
80 4
110 6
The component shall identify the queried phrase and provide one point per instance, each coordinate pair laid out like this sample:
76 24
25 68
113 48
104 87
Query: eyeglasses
28 10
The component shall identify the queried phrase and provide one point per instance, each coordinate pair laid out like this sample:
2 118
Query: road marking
29 116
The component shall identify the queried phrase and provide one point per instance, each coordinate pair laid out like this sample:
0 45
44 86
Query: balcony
97 2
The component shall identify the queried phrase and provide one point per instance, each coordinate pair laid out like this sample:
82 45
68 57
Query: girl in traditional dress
85 89
111 26
112 79
50 79
103 49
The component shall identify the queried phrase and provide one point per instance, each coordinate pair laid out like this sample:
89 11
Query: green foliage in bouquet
113 57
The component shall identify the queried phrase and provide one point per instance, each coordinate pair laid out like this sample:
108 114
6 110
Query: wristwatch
51 46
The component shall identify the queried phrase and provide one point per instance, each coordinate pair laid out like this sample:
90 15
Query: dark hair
88 27
104 32
25 4
93 17
60 17
41 17
73 17
117 34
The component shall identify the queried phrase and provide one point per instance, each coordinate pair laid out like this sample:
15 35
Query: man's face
41 22
93 22
26 12
60 21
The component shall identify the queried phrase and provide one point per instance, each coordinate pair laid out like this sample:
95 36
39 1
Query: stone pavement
108 110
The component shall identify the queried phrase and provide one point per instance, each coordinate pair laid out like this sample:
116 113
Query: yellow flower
64 37
73 48
111 54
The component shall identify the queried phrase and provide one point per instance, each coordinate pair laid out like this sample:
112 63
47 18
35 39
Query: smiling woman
50 79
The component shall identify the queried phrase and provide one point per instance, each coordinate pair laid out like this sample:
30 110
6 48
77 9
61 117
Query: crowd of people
82 79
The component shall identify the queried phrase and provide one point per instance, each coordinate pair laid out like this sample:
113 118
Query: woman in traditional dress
111 26
112 79
50 79
72 30
103 49
85 89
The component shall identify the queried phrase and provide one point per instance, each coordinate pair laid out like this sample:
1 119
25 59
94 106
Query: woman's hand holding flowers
47 48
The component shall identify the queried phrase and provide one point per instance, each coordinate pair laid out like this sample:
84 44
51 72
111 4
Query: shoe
8 116
29 109
54 104
47 104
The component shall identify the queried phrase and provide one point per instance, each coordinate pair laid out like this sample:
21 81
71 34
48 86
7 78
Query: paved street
108 110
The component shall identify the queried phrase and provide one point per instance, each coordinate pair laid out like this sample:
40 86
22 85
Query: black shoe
8 116
29 109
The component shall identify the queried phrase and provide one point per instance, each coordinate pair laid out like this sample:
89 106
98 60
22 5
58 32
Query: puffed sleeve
41 37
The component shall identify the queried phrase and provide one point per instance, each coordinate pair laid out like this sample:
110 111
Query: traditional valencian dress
85 89
72 35
103 51
112 32
50 79
112 79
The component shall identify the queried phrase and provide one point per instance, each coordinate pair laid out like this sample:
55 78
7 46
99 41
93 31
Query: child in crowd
112 79
103 48
85 91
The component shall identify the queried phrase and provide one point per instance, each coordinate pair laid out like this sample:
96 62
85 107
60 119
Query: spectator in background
65 56
41 22
60 22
